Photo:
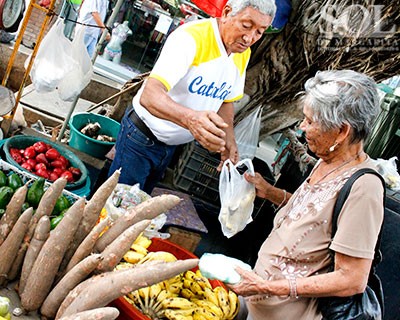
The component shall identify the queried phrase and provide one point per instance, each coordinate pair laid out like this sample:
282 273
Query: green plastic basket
89 145
22 142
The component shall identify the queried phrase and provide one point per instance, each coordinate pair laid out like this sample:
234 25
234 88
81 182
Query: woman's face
318 139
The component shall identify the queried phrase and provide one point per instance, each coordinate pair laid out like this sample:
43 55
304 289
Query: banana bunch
138 249
186 296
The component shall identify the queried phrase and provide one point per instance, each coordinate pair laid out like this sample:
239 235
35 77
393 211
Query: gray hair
267 7
343 96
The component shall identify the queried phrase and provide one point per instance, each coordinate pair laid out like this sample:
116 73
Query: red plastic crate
129 312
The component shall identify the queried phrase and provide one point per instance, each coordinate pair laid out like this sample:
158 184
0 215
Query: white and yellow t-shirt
198 73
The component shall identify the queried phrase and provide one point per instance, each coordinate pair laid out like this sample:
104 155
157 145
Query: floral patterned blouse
300 240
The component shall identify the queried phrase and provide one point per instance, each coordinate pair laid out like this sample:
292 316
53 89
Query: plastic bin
22 141
196 173
93 147
127 311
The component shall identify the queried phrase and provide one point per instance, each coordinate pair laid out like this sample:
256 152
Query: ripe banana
202 280
178 303
196 288
133 256
234 305
187 293
158 255
214 309
138 248
205 314
223 300
174 287
143 241
123 265
144 293
211 296
189 274
154 291
173 314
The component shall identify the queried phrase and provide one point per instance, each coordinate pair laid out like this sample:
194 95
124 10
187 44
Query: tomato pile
45 161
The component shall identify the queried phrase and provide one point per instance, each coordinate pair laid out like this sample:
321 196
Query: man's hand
230 152
207 127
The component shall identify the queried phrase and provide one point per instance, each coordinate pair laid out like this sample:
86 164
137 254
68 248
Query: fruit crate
127 311
196 173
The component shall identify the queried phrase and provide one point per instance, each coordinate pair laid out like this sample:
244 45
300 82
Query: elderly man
190 92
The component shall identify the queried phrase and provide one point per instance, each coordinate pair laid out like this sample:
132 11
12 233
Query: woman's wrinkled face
242 30
319 140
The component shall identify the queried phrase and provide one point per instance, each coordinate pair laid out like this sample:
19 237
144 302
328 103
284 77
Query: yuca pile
68 273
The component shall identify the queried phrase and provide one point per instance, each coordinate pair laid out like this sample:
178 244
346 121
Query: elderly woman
292 269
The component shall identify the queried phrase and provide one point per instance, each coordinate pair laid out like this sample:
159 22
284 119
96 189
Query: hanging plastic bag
53 60
72 84
237 197
247 133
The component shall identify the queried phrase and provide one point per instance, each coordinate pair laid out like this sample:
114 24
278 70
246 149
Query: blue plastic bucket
89 145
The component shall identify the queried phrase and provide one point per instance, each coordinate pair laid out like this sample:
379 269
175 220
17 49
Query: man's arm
100 23
226 112
207 127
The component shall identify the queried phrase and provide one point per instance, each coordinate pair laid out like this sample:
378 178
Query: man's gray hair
343 96
267 7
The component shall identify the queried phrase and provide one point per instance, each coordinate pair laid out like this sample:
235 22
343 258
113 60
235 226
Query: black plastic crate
196 173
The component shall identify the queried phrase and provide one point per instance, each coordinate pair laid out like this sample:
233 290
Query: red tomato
40 166
40 147
52 154
67 175
16 155
30 153
76 172
41 157
58 164
27 166
31 162
64 160
58 171
53 176
42 173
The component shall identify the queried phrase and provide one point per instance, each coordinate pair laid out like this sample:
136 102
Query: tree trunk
317 39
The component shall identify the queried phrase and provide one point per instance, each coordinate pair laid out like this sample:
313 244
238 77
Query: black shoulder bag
369 304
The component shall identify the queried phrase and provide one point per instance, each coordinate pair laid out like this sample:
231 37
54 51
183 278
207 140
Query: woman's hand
263 187
250 283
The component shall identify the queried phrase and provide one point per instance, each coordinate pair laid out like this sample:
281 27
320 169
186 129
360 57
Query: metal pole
109 23
8 118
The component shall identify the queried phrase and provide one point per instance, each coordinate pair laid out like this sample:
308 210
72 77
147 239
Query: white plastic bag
53 60
221 267
237 197
388 170
78 78
247 133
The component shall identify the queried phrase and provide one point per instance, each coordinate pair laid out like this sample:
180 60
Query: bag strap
341 199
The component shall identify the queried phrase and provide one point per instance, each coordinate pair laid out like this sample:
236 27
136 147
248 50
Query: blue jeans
90 43
142 160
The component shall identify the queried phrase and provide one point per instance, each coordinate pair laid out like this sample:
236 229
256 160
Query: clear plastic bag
237 197
78 78
247 133
53 60
388 170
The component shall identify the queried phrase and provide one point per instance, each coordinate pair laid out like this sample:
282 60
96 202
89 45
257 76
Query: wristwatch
11 12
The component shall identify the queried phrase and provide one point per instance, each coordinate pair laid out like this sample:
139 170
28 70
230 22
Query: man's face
242 30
